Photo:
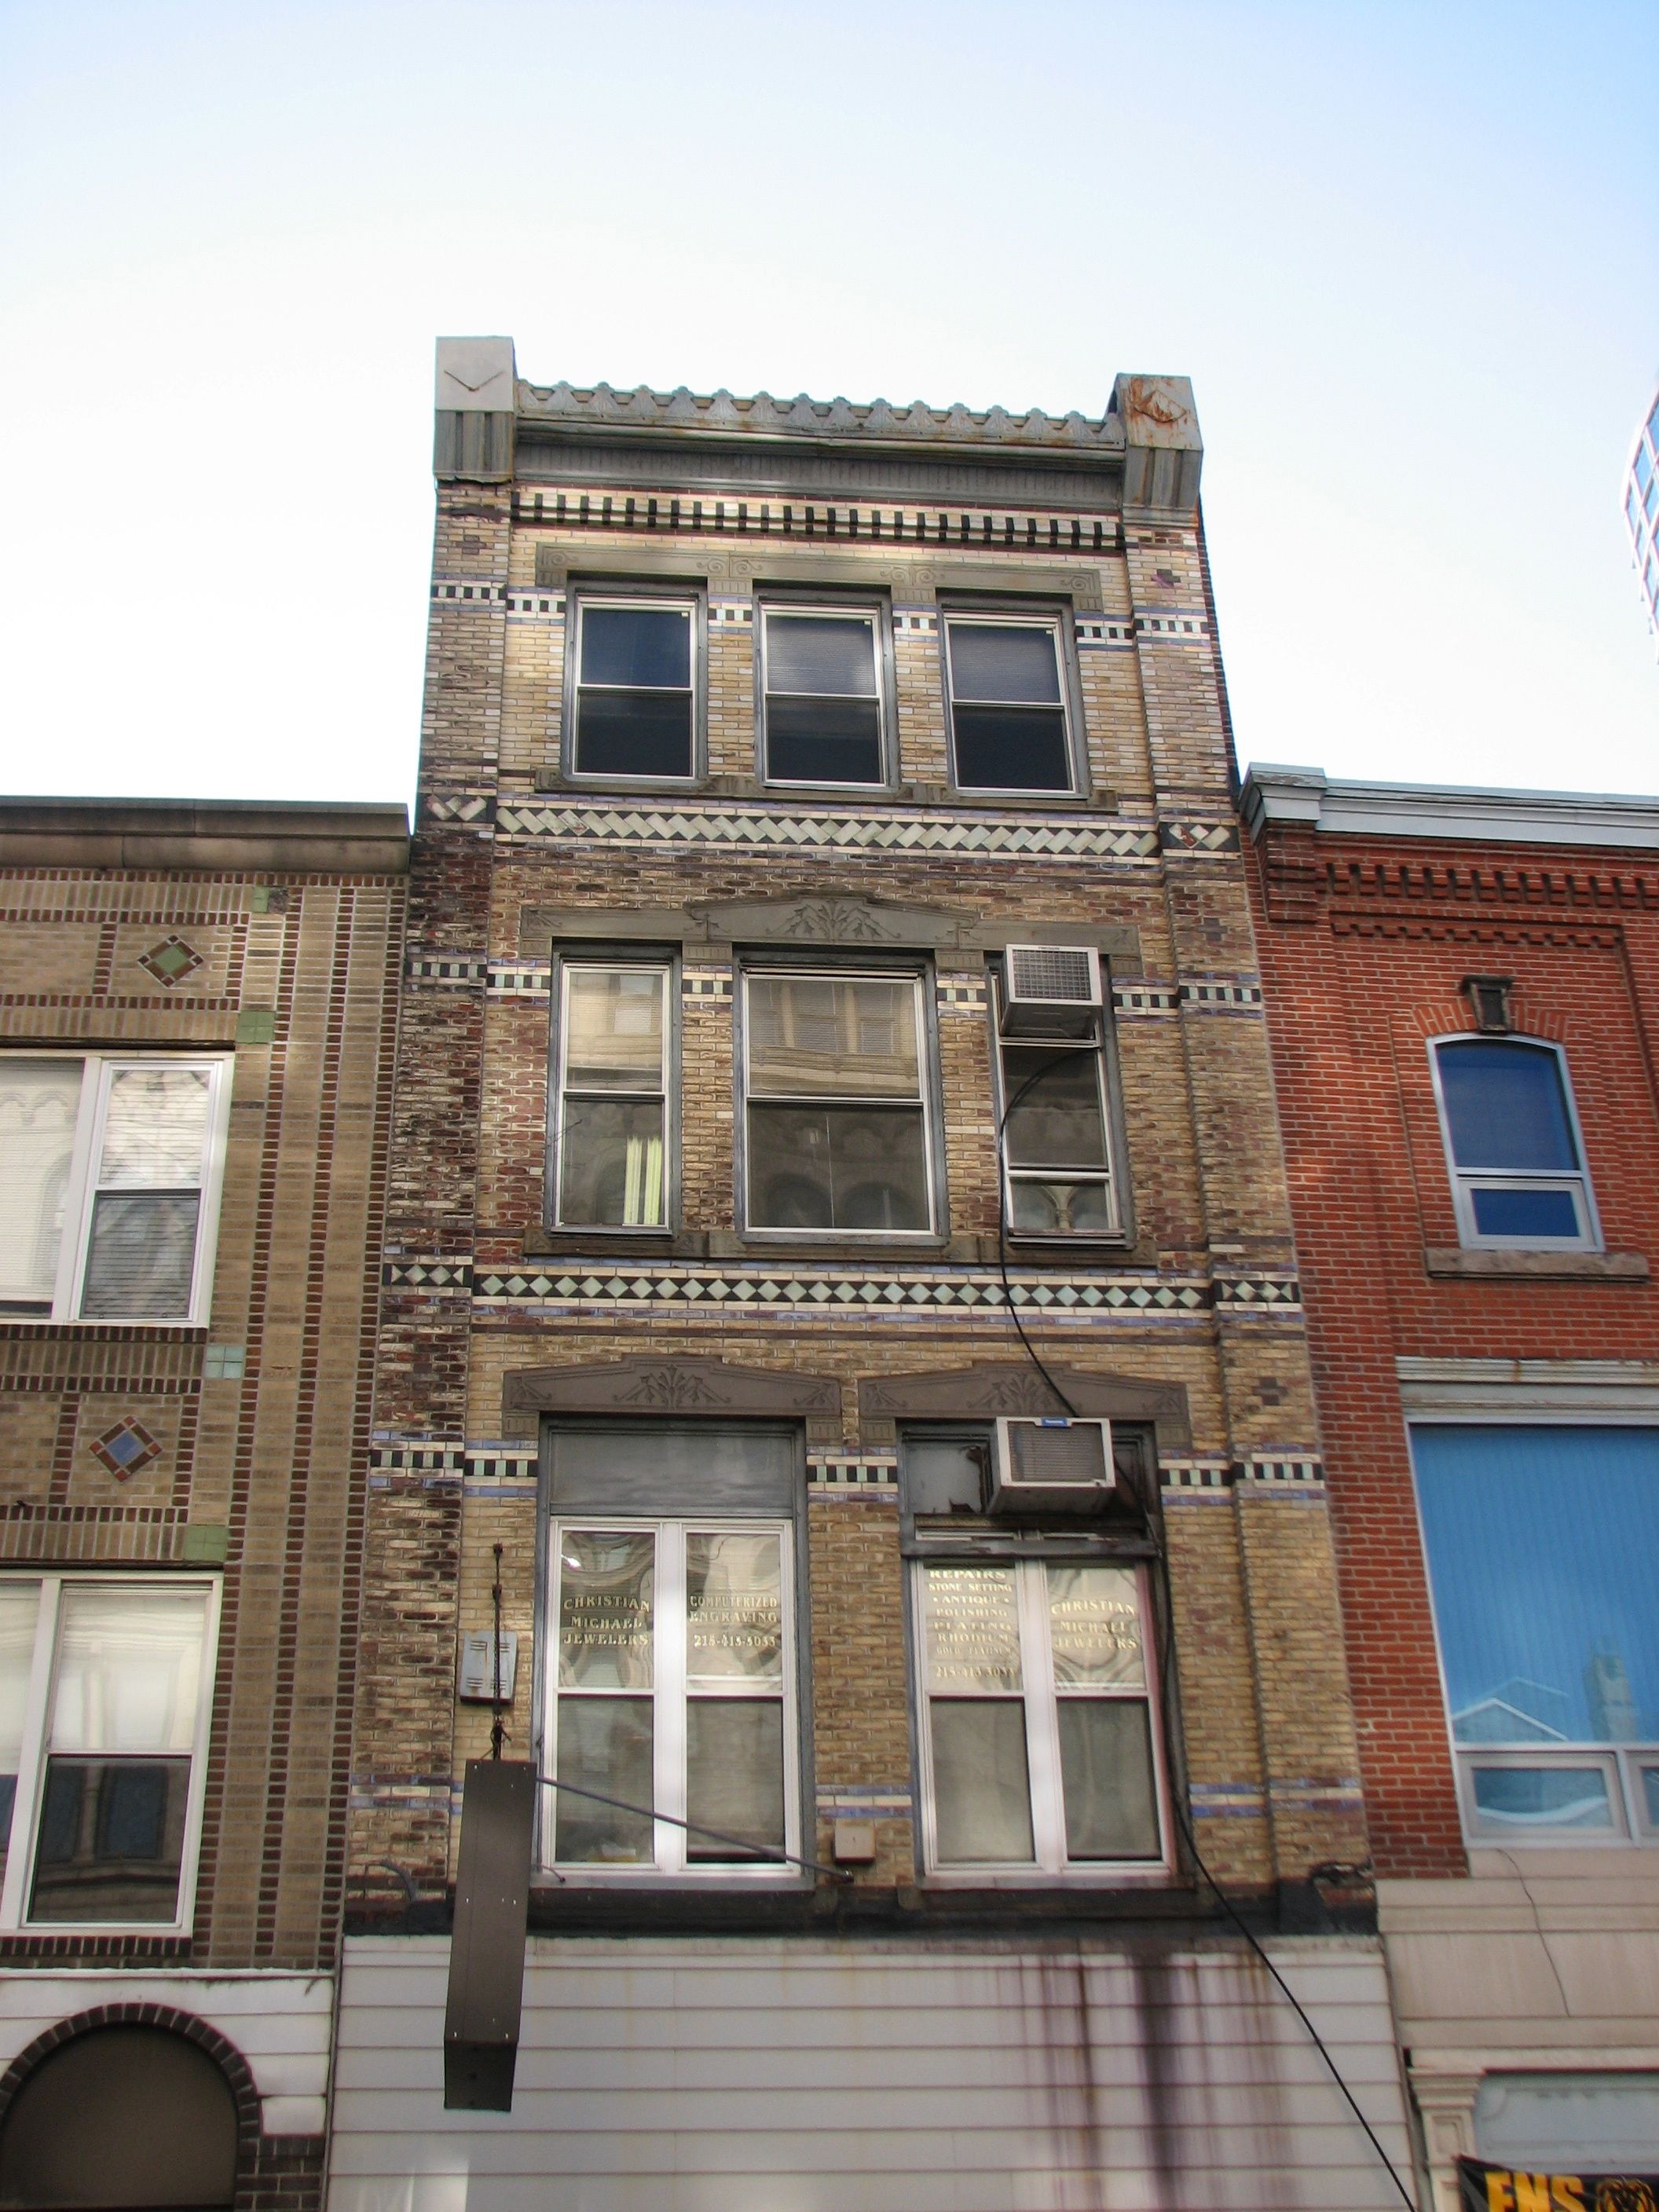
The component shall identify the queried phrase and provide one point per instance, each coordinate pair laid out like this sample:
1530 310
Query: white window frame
669 1697
826 610
1007 618
1465 1181
581 599
97 1071
597 963
1041 1700
24 1840
925 1064
1012 1174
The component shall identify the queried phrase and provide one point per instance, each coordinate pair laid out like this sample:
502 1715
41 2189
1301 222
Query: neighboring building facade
197 1011
1463 992
760 739
1641 509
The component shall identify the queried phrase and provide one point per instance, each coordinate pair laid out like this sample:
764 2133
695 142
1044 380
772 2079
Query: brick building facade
196 1007
1462 989
760 737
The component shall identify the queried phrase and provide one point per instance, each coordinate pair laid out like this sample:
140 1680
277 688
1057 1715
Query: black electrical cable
1167 1656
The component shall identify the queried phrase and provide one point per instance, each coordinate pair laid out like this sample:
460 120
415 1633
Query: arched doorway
119 2118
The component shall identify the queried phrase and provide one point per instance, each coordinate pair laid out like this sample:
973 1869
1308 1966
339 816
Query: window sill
1483 1264
838 794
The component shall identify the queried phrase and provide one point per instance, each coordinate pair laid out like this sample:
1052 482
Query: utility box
486 1951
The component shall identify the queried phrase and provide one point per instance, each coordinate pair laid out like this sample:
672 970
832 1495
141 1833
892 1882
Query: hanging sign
1483 2188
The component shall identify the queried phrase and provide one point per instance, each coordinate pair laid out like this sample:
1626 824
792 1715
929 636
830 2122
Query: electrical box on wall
1052 1465
478 1677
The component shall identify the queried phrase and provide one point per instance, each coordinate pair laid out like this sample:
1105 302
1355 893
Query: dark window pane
946 1475
644 646
1505 1106
734 1773
981 1790
123 2115
814 653
141 1260
1012 749
1510 1800
837 1167
611 1163
824 740
112 1840
1650 1791
1051 1208
1001 661
1540 1213
633 733
1106 1776
604 1744
1057 1121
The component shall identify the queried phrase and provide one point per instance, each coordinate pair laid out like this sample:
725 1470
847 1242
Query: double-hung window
670 1679
611 1119
1056 1138
634 697
1543 1557
836 1128
1009 725
104 1689
1513 1144
110 1169
1039 1736
820 695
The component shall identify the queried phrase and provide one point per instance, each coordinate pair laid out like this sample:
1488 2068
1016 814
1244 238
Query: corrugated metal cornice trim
834 422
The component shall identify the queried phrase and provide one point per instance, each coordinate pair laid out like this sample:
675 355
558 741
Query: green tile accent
206 1542
256 1025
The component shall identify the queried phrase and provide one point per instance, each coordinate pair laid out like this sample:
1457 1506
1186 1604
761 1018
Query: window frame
1058 618
628 591
1465 1181
1623 1762
23 1843
1102 1045
828 605
604 957
669 1692
98 1067
1048 1865
918 971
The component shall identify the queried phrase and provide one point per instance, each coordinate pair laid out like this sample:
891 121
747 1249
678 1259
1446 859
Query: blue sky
1409 255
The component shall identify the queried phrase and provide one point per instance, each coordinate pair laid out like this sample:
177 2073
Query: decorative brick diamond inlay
171 961
125 1448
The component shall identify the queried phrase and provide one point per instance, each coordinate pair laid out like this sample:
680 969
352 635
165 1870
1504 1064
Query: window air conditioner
1052 1465
1050 990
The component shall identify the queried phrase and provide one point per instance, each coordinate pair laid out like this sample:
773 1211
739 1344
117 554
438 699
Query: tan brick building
198 1005
832 1049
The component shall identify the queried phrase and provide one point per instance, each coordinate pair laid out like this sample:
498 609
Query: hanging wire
1167 1657
497 1726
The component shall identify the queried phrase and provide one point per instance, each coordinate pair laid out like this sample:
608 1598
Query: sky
1408 254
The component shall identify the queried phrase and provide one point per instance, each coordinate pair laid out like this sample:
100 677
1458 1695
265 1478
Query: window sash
1060 705
659 1092
1093 1174
1041 1700
876 696
1467 1182
916 1108
36 1752
1624 1770
87 1184
582 686
671 1691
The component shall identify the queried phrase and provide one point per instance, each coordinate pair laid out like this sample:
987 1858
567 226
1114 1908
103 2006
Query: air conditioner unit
1050 990
1052 1465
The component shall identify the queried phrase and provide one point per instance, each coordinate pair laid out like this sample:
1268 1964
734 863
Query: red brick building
1462 991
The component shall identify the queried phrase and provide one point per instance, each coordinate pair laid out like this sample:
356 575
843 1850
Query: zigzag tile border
734 827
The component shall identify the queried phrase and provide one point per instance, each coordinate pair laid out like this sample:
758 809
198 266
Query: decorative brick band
1207 1476
1257 1292
826 1291
999 529
447 967
961 998
710 824
1213 994
1106 632
427 1271
839 1471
